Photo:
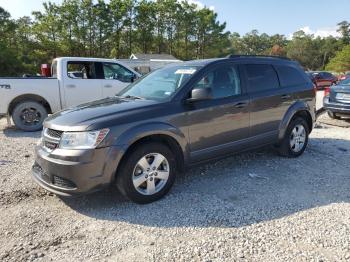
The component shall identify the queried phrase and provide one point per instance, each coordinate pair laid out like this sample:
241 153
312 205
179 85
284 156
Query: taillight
327 90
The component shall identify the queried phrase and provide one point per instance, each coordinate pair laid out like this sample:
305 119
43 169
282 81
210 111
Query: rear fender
298 106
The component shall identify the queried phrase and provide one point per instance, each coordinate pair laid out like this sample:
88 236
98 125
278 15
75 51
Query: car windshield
161 84
345 82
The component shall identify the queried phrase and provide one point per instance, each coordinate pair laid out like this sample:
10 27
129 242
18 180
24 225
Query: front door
81 84
216 125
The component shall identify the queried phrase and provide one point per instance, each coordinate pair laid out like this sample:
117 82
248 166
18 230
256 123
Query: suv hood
99 114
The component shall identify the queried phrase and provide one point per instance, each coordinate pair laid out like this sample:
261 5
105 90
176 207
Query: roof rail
262 56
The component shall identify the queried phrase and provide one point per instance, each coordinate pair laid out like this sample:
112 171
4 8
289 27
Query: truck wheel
332 115
147 173
295 139
29 115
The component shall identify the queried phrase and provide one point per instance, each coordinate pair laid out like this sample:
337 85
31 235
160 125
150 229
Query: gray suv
173 118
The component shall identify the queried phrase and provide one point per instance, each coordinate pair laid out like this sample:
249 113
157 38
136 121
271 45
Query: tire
29 116
332 115
285 148
135 171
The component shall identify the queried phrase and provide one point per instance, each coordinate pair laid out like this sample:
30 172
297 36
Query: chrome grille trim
51 137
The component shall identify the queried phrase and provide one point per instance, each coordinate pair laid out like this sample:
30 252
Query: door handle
241 105
70 86
108 86
285 97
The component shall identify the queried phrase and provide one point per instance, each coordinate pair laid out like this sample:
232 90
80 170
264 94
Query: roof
246 58
153 57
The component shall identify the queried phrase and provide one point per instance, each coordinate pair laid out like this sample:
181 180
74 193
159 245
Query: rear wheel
295 139
29 115
147 173
332 115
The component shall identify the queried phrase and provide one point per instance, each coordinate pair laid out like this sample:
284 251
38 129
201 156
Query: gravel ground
254 206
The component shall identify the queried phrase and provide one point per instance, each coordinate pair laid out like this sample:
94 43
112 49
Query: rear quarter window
261 77
290 76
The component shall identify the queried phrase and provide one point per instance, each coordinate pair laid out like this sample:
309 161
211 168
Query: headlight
82 140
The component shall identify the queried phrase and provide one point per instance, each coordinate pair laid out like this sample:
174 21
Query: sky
318 17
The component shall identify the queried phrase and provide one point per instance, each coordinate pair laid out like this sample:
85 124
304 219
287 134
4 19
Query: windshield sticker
185 71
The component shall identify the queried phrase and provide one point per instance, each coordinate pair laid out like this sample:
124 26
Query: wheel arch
156 132
29 97
298 109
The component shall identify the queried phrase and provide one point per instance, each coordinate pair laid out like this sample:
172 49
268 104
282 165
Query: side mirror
199 94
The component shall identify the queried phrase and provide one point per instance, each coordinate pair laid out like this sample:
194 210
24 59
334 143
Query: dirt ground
254 206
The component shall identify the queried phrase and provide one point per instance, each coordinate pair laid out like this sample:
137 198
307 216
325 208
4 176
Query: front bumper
338 108
74 172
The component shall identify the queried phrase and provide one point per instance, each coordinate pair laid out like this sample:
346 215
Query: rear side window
290 76
261 77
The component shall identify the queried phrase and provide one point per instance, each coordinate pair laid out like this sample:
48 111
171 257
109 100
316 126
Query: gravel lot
254 206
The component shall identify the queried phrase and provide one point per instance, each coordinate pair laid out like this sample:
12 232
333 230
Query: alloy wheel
151 174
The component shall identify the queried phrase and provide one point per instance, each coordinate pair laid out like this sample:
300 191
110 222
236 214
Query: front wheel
147 173
29 115
295 139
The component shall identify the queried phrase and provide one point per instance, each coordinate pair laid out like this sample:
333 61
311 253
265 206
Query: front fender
298 106
133 134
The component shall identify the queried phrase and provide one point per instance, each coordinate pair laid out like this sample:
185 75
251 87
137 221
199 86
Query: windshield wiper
132 97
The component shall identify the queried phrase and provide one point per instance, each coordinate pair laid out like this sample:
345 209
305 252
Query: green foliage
341 62
117 28
114 28
313 53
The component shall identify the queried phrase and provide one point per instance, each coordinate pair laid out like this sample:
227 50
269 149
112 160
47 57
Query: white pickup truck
73 81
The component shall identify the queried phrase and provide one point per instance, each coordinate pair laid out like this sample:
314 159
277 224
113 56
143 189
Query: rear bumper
340 108
75 172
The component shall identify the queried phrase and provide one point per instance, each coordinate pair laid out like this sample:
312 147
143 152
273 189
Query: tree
145 23
344 30
341 62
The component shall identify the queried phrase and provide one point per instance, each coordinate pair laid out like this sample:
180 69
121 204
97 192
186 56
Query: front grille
54 133
62 182
51 139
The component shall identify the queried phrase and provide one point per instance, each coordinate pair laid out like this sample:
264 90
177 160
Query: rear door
81 84
269 102
115 78
217 125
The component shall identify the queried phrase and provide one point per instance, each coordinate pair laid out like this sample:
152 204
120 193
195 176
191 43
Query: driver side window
118 72
224 81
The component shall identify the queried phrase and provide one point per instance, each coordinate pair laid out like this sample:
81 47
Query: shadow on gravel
16 133
237 191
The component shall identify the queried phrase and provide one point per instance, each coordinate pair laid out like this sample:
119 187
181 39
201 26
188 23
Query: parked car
322 79
344 76
176 117
337 102
74 80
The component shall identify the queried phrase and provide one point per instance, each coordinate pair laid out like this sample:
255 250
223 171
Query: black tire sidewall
125 172
291 126
21 106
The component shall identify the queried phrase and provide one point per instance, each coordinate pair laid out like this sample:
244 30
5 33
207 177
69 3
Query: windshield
161 84
345 82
